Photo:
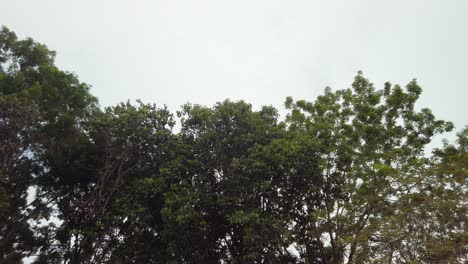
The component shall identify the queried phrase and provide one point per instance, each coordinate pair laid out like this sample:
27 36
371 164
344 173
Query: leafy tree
428 224
17 130
110 207
219 204
344 179
40 108
371 147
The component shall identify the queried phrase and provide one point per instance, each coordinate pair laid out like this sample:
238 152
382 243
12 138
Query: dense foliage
343 179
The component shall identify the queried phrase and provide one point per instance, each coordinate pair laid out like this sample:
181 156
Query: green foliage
41 109
343 179
370 150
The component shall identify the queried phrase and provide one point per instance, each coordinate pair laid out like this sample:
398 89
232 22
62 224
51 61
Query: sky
172 52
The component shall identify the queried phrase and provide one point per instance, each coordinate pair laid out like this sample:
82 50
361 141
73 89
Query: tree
220 203
17 127
41 108
428 224
110 206
344 179
371 148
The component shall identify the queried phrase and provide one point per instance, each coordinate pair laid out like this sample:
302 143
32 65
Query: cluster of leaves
343 179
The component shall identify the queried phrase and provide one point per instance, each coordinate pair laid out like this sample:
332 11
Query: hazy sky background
171 52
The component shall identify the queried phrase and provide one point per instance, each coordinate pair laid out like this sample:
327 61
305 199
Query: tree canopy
344 178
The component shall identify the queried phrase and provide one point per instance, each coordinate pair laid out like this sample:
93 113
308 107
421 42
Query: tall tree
371 147
344 179
110 206
219 204
18 127
41 107
428 221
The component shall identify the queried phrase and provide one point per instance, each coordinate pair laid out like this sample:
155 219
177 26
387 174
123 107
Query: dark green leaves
344 179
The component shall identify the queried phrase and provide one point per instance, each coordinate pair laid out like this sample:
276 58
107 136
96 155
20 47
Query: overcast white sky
202 51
